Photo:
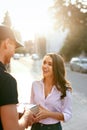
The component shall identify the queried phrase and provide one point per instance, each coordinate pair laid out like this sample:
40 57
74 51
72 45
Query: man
9 118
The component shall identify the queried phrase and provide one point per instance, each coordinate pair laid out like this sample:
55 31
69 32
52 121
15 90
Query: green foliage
71 17
74 45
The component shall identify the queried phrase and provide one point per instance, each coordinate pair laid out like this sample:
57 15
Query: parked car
35 56
16 56
78 64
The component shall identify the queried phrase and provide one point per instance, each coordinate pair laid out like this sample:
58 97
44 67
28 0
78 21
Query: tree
7 20
68 14
73 17
29 46
41 46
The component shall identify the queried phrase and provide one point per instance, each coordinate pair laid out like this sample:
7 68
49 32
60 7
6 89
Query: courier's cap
6 32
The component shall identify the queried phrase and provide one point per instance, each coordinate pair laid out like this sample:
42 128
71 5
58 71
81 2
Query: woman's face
47 67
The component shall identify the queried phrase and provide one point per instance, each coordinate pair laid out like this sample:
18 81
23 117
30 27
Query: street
26 70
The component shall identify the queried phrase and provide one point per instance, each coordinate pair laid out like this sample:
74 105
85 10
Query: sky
27 16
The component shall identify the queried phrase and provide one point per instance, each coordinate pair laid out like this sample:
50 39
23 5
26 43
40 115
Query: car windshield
76 61
84 61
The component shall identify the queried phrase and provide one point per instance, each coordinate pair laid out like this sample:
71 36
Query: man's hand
29 117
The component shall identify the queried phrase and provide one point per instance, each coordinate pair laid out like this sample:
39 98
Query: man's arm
10 118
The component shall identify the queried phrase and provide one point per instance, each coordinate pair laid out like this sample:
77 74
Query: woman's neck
48 85
48 82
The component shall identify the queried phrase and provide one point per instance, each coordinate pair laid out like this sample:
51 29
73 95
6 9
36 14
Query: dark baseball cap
6 32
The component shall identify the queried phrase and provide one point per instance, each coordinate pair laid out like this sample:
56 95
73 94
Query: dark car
78 64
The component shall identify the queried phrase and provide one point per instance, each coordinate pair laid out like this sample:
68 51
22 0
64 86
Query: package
32 107
26 106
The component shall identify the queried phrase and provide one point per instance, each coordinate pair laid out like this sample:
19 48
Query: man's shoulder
5 76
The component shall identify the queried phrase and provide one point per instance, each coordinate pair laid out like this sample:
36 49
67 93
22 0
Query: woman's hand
42 114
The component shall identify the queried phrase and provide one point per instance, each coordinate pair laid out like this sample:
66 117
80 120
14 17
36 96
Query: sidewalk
79 119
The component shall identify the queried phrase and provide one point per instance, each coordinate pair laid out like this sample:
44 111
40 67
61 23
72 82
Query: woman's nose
46 65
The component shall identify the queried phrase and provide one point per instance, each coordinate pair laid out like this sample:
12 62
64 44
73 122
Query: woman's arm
44 113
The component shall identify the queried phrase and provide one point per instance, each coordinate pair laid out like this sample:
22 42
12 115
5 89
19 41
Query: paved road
25 76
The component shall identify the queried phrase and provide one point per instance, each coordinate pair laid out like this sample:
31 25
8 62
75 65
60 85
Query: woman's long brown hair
60 81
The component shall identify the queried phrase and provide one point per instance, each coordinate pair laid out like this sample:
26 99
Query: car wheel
71 68
81 70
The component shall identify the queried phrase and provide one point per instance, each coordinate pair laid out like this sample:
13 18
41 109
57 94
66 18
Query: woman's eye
50 64
44 62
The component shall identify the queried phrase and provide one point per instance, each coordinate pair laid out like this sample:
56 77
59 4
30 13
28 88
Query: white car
78 64
35 56
16 56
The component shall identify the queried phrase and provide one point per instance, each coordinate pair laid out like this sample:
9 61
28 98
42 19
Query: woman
53 94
